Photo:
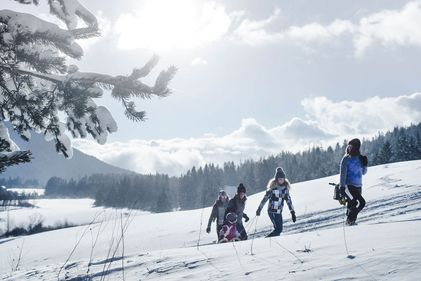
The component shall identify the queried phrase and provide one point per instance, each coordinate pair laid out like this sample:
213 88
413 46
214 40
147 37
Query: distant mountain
48 163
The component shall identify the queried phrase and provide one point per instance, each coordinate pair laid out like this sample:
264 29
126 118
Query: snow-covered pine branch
13 158
36 83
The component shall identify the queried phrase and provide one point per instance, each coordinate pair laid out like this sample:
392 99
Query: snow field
385 243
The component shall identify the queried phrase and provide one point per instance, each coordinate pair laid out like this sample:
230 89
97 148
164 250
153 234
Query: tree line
199 186
18 182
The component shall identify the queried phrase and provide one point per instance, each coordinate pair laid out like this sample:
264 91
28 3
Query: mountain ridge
47 163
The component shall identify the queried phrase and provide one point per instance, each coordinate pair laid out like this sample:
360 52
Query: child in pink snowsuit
229 229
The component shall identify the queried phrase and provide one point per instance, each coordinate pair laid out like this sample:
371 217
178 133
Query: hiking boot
351 222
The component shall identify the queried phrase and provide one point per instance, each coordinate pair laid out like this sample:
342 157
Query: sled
337 195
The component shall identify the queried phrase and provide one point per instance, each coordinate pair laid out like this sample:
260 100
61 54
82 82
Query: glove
294 218
364 160
246 218
258 212
208 229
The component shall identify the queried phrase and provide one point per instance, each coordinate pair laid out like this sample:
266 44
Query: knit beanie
356 145
279 173
231 217
241 188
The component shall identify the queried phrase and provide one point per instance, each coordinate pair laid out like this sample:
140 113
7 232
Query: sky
254 77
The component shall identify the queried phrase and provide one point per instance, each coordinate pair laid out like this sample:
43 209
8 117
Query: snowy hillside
385 245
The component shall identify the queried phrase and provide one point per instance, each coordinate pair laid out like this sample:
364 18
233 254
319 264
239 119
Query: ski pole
254 234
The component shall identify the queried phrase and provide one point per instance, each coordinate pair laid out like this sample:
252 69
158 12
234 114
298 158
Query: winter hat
279 173
241 188
356 145
231 217
223 196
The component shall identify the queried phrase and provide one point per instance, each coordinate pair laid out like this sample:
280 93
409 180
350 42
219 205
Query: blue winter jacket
352 171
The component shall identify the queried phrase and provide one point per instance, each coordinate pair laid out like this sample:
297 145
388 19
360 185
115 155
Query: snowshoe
350 222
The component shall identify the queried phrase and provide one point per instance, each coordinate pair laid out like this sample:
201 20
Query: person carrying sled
236 205
218 212
353 167
277 192
229 230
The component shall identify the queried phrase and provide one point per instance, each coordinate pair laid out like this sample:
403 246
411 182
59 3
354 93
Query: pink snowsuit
229 232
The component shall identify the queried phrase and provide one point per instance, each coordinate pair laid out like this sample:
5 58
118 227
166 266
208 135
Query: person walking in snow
277 192
236 205
353 167
218 212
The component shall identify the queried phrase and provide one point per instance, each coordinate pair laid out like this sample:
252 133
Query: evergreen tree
37 85
385 154
163 204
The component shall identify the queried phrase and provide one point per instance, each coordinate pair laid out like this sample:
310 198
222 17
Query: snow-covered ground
57 211
38 191
385 245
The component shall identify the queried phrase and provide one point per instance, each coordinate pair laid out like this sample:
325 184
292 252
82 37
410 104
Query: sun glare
168 24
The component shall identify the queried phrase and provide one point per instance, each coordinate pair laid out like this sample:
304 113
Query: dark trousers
242 231
218 229
277 224
356 204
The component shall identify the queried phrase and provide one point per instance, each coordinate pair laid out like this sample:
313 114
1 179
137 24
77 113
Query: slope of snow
385 245
57 211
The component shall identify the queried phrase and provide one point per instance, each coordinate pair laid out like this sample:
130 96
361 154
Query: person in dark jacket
237 205
218 212
353 167
277 192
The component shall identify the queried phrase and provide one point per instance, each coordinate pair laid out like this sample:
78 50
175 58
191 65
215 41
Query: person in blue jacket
353 167
277 192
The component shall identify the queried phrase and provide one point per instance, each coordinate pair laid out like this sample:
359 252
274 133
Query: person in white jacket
277 192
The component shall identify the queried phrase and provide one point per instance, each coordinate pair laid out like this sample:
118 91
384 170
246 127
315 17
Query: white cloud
325 123
299 129
253 32
387 28
390 27
160 24
199 61
364 117
318 32
256 32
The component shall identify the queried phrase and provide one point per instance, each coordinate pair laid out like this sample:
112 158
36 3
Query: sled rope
289 251
238 257
198 243
346 244
200 228
254 234
351 257
250 224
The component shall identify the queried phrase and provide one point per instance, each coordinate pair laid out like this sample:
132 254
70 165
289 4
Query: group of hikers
229 213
